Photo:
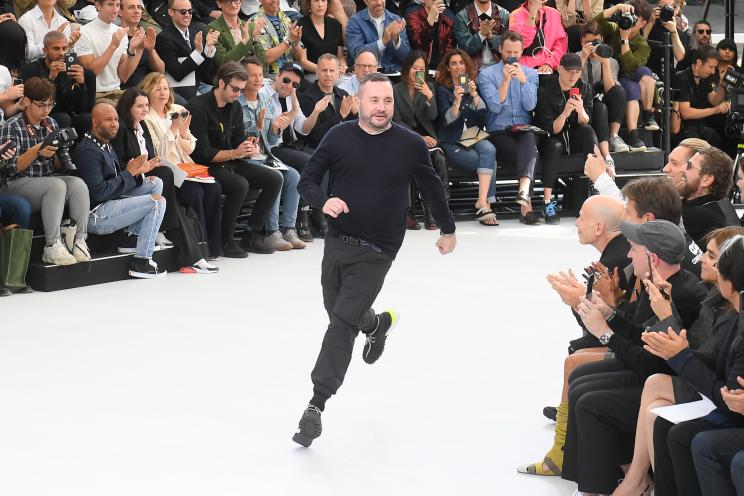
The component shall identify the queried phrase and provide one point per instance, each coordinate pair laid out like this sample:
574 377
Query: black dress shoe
529 218
5 291
303 227
233 250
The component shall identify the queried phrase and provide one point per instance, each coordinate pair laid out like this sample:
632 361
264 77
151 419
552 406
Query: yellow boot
554 459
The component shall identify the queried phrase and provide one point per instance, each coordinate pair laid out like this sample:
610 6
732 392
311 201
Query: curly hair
718 165
443 76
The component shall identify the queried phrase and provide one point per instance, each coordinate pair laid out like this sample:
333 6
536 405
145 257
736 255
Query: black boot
429 223
303 227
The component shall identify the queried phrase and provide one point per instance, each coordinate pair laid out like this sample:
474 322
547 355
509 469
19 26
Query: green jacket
639 48
226 47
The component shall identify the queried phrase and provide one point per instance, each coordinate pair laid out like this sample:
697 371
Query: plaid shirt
25 136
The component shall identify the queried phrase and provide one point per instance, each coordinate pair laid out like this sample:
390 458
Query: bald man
140 212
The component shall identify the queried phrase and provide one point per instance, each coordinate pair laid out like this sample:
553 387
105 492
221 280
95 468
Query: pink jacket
556 41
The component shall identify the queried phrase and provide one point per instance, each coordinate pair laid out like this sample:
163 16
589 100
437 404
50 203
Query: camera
735 118
666 13
63 139
624 20
733 79
602 50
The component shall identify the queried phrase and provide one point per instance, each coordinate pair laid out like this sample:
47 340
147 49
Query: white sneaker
204 267
80 251
162 241
617 145
57 254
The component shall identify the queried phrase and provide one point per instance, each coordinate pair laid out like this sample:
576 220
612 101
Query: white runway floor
193 385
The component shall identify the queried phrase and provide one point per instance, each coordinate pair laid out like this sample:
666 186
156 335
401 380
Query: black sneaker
256 243
550 412
144 268
550 213
634 142
529 218
233 250
310 426
649 123
375 344
128 244
302 227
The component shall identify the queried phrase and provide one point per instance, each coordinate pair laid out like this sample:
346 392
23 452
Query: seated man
564 104
34 172
340 105
431 30
364 63
632 51
280 38
120 195
186 52
478 30
258 120
237 39
217 125
510 93
610 99
74 87
149 61
701 102
702 175
104 48
380 31
701 37
545 39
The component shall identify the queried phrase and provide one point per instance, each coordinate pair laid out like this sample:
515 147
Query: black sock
318 402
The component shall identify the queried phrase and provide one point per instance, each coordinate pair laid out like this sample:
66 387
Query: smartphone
590 286
512 60
463 82
574 93
5 148
17 81
71 59
420 77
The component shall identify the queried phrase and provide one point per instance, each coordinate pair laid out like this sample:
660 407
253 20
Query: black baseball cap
293 67
658 236
571 61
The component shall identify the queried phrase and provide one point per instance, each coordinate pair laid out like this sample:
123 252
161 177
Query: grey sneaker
291 237
309 428
617 145
80 251
57 254
276 242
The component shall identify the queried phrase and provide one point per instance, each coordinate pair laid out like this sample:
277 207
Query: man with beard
702 175
701 37
370 163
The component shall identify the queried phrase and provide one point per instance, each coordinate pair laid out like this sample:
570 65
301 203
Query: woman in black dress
320 34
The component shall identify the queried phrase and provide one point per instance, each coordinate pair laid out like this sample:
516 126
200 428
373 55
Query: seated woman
169 131
460 108
320 34
667 445
416 108
132 140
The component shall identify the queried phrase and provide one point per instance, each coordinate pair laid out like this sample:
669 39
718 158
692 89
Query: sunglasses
286 80
175 115
704 31
184 12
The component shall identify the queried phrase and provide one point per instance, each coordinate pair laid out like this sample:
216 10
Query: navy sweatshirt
372 174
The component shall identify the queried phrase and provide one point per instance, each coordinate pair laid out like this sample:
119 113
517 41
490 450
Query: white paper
685 411
188 80
178 174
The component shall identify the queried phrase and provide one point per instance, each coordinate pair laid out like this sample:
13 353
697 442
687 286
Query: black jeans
719 461
610 109
580 139
204 199
236 178
352 276
522 147
674 471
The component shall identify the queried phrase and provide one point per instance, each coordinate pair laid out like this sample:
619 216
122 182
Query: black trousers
674 471
719 461
236 178
521 146
603 402
580 139
204 199
610 109
352 276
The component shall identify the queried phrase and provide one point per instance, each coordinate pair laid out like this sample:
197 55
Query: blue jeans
137 212
15 209
719 461
290 197
481 158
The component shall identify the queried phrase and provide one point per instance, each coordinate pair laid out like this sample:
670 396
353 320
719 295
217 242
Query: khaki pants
111 96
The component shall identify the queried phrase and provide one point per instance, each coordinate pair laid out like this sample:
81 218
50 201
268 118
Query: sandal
537 468
486 217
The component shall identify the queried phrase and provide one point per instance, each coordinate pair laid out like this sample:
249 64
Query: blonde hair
695 144
151 81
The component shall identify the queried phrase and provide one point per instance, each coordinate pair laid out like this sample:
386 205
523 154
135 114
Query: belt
353 241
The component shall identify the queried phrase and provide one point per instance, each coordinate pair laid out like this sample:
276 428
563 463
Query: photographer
701 37
621 27
728 56
73 86
663 21
701 100
564 104
34 173
600 71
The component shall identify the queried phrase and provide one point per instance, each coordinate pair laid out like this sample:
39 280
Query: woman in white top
168 124
38 21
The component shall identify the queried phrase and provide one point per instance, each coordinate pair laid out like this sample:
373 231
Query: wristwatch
604 339
625 42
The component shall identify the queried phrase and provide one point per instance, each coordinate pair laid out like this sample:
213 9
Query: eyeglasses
184 12
286 80
43 105
236 89
366 67
175 115
704 31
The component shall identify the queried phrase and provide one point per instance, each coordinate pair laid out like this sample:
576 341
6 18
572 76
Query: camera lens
666 13
602 50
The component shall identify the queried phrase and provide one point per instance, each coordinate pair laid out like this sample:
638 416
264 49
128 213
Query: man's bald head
105 122
599 218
